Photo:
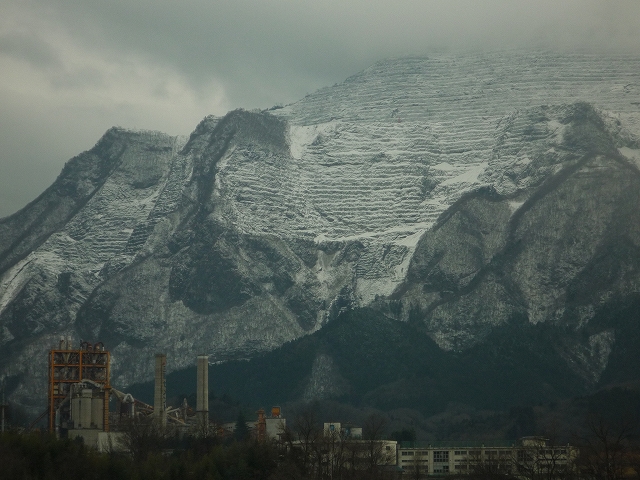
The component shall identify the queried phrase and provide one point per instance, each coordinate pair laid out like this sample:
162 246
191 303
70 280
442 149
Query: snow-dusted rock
471 189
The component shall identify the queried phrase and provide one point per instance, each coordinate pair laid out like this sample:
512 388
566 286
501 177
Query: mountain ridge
422 188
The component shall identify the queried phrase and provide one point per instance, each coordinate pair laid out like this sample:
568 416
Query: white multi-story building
525 458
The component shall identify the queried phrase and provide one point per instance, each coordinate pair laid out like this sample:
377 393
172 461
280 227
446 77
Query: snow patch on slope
632 154
467 177
300 137
13 280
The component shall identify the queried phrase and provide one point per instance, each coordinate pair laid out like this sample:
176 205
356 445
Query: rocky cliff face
457 193
557 251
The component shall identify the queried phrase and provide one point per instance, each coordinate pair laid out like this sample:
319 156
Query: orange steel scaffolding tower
68 366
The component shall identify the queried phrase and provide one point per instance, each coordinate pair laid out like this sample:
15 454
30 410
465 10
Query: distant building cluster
78 407
529 456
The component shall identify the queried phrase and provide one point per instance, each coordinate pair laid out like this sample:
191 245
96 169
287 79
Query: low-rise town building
527 458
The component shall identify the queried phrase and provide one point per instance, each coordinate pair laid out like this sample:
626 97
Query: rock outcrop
457 192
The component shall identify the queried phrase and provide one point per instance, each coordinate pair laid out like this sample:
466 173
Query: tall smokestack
160 393
202 393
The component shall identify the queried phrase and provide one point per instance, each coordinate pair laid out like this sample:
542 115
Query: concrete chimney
202 391
160 391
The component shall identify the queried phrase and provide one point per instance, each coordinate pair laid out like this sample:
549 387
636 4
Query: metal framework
69 366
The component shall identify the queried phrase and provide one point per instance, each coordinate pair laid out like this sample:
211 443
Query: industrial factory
78 407
80 391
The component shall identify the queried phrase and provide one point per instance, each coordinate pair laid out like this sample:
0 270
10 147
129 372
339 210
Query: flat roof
459 444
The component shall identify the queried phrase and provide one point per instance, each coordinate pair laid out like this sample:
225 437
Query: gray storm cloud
70 69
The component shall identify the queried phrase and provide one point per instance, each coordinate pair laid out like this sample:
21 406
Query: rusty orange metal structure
68 366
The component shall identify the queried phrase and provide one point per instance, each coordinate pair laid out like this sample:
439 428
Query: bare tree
419 469
377 455
303 443
143 436
337 454
495 464
607 449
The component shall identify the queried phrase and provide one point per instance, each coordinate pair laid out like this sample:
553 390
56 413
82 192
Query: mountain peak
460 193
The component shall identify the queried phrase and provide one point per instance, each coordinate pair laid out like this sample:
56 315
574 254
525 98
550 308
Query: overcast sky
70 69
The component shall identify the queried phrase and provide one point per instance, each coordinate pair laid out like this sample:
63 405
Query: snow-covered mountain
455 192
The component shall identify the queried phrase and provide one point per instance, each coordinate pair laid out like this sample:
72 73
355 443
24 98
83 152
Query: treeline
607 450
147 451
42 456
